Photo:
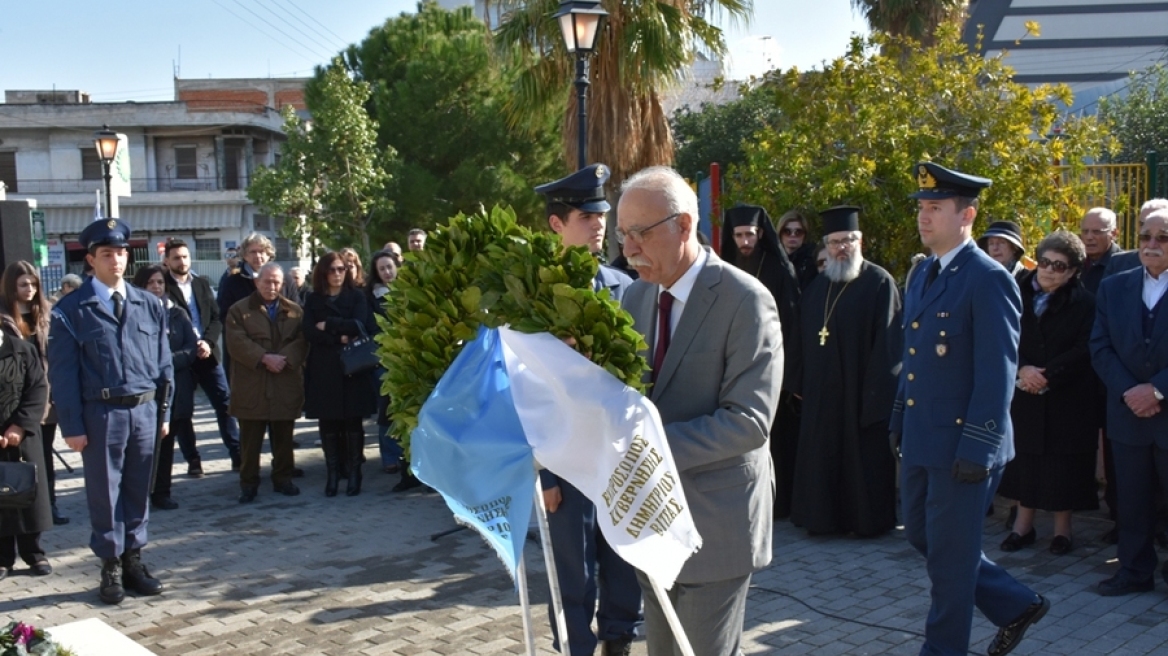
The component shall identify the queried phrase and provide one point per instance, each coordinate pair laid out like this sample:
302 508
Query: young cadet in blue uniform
108 357
575 208
951 417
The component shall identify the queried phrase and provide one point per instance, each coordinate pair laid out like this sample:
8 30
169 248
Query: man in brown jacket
267 351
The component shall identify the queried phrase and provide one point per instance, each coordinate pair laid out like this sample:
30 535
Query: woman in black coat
23 395
183 348
1055 432
335 313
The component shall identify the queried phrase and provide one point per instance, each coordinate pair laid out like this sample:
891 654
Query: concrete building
191 161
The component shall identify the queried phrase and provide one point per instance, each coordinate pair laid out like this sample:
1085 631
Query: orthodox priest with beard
750 242
845 475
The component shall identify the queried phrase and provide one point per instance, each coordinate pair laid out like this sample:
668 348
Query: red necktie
664 308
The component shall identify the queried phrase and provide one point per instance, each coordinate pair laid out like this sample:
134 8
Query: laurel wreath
486 269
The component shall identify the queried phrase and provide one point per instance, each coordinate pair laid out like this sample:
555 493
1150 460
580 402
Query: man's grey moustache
638 261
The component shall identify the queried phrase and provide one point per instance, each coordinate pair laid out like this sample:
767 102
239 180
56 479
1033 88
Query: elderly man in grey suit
717 354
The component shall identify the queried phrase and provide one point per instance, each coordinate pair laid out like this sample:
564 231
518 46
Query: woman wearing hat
1003 242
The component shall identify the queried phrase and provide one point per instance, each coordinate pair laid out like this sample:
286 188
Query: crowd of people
993 370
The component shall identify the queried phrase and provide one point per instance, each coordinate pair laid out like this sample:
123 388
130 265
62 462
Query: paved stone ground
312 575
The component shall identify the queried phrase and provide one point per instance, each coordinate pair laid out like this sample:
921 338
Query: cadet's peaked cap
842 218
105 232
937 182
583 190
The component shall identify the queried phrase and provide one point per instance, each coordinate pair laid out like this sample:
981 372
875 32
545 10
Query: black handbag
18 485
360 355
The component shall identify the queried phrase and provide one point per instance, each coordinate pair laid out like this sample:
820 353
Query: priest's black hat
842 218
583 190
936 182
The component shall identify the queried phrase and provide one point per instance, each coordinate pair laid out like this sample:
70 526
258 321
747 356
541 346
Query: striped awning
72 220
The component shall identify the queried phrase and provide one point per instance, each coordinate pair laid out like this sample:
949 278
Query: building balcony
137 185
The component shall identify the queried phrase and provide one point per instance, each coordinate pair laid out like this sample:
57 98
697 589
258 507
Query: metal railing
1122 188
137 185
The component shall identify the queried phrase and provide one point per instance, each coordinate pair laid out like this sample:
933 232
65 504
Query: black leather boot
136 576
408 481
356 449
328 443
111 590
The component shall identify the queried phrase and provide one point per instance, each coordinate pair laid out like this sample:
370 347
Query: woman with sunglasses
800 249
335 313
1055 432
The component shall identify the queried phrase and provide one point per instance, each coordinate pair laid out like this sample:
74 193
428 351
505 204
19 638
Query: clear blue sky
57 43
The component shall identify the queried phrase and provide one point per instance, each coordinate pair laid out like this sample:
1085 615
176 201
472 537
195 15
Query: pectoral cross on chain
823 334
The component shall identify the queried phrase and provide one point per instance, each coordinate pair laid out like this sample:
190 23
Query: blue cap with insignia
583 190
937 182
105 232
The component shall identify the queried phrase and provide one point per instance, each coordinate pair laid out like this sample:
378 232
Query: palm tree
645 48
917 19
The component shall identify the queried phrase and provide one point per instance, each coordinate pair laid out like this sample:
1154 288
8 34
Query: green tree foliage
916 19
717 132
852 133
330 183
438 91
645 47
1139 120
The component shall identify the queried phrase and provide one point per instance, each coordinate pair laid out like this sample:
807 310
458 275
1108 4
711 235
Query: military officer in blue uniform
951 417
585 564
109 356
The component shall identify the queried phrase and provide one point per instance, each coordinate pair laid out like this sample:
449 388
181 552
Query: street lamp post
580 23
106 142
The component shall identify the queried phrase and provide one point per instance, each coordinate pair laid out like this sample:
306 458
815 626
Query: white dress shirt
681 290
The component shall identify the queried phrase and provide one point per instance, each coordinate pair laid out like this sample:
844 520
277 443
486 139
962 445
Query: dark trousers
28 544
183 431
165 463
210 376
1138 470
586 565
943 520
48 434
118 459
251 440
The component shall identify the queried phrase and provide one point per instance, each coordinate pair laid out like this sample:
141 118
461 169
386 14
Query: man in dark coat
193 294
845 476
749 242
587 568
1131 356
1098 231
1128 260
23 395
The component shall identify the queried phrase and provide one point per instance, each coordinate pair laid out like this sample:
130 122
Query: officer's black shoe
1010 635
195 469
136 577
41 568
287 489
1123 584
248 494
621 647
58 518
111 590
163 503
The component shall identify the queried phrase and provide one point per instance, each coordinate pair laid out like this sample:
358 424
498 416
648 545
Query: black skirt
1053 482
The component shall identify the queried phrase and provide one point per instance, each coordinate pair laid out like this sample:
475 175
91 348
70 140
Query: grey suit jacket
717 392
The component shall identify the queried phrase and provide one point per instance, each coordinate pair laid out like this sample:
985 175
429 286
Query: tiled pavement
313 575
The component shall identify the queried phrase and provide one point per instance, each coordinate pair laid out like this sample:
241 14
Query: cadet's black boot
136 576
328 443
356 449
111 590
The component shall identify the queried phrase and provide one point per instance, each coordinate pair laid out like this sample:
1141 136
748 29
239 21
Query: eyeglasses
1057 265
794 232
1160 239
842 242
637 235
1089 232
340 269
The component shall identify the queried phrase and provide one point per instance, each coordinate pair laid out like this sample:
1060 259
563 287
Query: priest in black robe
845 474
751 243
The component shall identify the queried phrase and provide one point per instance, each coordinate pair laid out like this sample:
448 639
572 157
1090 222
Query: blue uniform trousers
118 459
943 520
585 564
1137 469
209 376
